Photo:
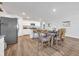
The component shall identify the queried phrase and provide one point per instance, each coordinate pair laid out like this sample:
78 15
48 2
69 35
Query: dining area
47 38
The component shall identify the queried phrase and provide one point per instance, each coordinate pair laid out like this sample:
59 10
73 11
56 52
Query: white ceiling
43 10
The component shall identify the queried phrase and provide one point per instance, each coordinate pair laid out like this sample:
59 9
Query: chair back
61 32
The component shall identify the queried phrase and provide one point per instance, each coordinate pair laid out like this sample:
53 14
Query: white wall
20 26
73 30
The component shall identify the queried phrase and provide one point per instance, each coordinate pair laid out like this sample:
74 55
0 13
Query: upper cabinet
30 24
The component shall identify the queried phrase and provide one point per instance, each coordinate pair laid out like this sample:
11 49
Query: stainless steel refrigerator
8 27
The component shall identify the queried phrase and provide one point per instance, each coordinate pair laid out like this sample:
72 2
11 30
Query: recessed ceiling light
54 10
23 13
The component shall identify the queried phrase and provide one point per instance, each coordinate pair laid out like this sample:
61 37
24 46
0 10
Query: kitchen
23 24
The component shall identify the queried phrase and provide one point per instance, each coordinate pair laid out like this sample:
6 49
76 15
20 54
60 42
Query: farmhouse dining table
47 33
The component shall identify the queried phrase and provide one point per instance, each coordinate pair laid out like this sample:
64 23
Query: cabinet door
9 29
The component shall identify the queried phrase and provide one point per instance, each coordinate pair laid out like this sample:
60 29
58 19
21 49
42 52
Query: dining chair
52 35
60 36
45 40
62 33
35 34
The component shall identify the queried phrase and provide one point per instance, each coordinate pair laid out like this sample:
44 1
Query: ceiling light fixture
54 10
23 13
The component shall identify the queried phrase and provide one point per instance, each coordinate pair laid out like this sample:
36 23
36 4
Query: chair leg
51 43
62 39
42 45
59 42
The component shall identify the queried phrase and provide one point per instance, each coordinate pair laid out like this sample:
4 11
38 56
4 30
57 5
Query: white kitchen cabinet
1 45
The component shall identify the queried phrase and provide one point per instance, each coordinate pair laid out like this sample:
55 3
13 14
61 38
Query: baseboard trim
72 37
24 35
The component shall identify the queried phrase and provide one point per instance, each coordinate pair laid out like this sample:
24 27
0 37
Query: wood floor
29 47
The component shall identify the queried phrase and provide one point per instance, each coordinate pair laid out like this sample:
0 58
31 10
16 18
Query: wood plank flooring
29 47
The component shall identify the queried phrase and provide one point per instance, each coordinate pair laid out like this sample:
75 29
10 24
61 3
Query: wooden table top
40 30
